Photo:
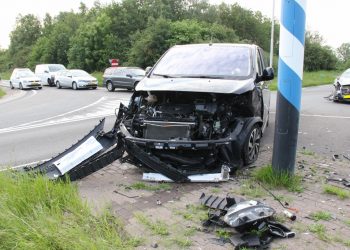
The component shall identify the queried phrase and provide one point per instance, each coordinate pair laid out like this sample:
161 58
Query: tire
251 145
110 87
40 87
49 82
94 87
58 85
20 86
11 86
74 86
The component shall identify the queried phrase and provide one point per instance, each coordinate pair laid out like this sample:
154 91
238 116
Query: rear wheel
94 87
40 87
75 86
251 146
110 87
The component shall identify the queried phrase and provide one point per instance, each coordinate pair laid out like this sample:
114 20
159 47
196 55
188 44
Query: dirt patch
177 207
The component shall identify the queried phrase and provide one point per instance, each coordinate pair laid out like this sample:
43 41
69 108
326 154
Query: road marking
105 110
23 165
322 116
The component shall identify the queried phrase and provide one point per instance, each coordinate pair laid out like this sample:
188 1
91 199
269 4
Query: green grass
313 78
99 76
221 233
305 151
150 187
267 176
195 213
158 227
251 190
339 192
37 213
321 215
2 93
5 75
320 231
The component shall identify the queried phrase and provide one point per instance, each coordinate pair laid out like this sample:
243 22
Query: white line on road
322 116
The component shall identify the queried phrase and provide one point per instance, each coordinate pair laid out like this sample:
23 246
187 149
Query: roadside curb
11 95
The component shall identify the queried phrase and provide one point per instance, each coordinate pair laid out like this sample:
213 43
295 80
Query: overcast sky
329 17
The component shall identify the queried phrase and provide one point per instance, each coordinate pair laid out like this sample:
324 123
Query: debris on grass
339 192
150 187
158 227
321 215
267 176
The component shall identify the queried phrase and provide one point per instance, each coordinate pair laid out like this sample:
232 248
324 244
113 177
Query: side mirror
268 74
128 75
46 71
147 70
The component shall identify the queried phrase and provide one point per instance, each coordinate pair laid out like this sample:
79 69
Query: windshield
136 72
56 67
25 74
77 73
205 61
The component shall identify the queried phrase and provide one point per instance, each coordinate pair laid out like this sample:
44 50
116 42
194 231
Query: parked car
76 79
24 78
342 87
122 77
200 108
47 72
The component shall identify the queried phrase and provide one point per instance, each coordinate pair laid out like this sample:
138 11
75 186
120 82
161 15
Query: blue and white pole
290 75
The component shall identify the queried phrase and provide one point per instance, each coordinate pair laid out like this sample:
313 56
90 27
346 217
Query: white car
24 78
47 72
75 79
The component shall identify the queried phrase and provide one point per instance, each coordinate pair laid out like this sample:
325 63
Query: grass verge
150 187
40 214
267 176
2 93
333 190
99 76
313 78
5 75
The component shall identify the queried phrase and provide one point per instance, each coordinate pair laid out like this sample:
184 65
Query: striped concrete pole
290 75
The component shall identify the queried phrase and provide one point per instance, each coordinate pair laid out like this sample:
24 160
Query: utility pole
290 75
272 32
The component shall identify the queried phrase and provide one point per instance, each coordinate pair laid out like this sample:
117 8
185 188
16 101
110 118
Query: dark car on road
342 87
122 77
200 108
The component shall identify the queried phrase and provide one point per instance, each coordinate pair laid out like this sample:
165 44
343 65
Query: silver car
24 78
75 79
342 87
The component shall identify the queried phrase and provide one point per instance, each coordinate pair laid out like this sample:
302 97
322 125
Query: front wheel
251 146
75 86
110 87
94 87
11 86
20 86
58 85
40 87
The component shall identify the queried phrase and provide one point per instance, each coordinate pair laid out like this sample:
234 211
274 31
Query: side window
259 63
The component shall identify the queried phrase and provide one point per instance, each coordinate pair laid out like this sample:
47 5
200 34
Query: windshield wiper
165 76
203 76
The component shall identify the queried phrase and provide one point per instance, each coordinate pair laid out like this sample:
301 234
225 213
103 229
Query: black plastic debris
345 182
252 220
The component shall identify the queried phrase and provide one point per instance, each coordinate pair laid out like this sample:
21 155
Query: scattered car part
215 202
289 215
343 181
246 213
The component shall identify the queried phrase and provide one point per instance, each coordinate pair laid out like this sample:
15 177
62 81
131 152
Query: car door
115 77
264 85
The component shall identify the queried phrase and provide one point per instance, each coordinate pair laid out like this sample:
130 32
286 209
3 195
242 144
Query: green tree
344 52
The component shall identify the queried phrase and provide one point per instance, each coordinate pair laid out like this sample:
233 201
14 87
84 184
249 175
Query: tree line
137 32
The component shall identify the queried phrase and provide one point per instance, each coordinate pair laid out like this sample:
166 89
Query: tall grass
36 213
2 93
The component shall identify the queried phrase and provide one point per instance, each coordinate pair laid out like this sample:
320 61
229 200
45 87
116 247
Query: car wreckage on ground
198 114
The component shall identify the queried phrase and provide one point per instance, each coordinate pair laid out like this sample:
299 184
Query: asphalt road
38 124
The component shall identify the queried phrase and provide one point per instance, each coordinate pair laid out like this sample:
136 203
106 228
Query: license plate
346 97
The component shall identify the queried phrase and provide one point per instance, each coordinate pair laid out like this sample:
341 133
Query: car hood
196 85
85 78
344 81
33 78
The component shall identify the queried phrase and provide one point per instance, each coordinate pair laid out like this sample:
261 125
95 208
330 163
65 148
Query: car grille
345 89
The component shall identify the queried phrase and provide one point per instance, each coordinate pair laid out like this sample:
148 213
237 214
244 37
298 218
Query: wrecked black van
202 109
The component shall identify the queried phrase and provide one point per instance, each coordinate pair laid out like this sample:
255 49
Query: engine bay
186 116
